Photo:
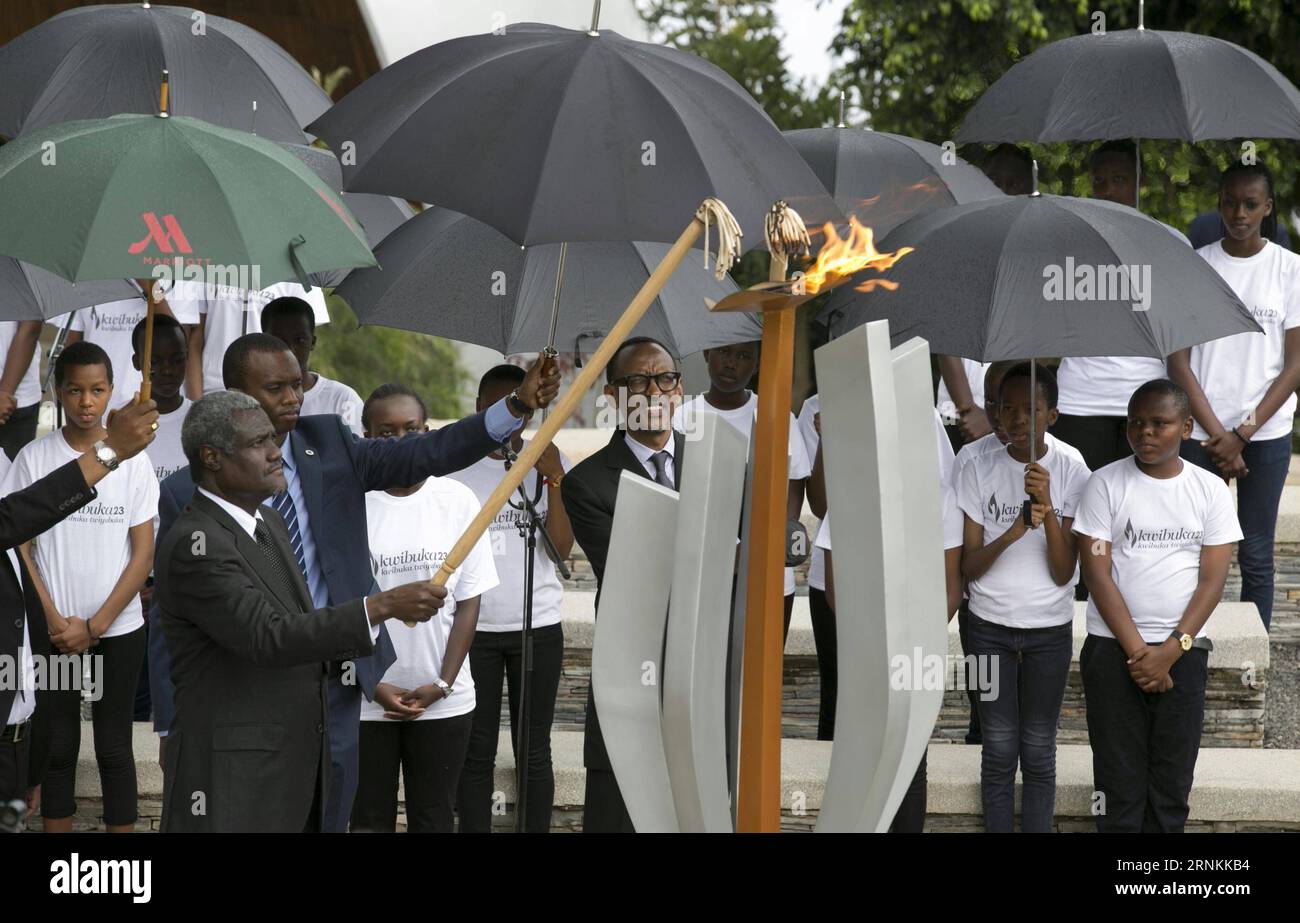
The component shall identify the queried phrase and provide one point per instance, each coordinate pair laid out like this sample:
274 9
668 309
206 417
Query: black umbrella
378 215
96 61
448 275
1044 275
554 135
29 292
883 179
1136 83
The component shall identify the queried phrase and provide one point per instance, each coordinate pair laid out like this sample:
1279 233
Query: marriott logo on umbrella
166 235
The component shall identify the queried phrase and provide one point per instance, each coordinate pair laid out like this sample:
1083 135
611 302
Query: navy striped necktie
283 503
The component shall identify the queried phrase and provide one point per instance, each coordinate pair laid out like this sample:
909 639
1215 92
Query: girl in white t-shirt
419 722
1155 537
88 572
1242 388
1021 588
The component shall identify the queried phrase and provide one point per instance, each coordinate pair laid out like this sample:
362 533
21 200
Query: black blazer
24 515
248 748
589 492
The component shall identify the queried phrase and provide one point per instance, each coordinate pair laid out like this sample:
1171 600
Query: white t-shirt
29 386
230 315
975 376
811 407
1235 371
1156 527
501 608
685 420
165 451
1100 386
1018 590
82 557
330 396
409 539
989 442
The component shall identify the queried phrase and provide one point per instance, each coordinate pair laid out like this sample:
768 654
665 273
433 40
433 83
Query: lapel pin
310 451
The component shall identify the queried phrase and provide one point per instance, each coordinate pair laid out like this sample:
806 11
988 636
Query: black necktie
660 460
279 566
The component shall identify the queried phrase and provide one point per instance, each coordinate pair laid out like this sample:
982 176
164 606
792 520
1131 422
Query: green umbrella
135 196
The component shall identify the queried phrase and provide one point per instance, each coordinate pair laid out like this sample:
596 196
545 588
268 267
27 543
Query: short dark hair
631 343
996 369
81 353
288 306
160 322
1046 380
1163 387
1268 227
1123 147
235 362
385 391
501 374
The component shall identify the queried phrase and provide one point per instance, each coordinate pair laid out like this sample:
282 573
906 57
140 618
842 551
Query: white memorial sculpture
668 749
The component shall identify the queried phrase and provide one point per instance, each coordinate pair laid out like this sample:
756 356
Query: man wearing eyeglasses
643 380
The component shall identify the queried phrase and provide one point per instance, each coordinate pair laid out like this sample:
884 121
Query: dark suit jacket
589 492
336 470
24 515
248 748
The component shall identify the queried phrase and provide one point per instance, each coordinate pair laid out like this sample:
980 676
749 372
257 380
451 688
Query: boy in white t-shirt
730 370
497 652
1155 537
88 571
293 320
419 722
1021 598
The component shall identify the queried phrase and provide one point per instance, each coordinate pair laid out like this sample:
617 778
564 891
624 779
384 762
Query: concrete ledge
1238 634
1232 786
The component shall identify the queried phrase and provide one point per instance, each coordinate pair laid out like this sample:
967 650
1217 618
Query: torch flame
840 258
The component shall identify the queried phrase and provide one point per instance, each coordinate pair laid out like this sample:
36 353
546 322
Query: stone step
1233 789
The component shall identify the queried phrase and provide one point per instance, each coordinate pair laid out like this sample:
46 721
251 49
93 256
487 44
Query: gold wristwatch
1184 640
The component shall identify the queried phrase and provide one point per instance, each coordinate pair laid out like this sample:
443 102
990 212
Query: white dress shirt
644 453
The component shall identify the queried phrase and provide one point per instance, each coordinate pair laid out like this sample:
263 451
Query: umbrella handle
146 359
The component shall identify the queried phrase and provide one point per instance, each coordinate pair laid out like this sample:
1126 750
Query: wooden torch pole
759 802
569 401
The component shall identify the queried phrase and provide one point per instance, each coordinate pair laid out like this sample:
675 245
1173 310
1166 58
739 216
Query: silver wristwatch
107 457
444 686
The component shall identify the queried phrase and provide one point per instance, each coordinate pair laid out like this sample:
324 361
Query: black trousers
117 674
823 626
19 429
14 758
1144 744
497 655
910 816
973 733
603 810
429 755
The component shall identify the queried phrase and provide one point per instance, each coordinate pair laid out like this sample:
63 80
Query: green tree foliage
919 65
367 357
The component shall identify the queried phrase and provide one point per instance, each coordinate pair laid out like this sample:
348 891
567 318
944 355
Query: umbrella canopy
30 293
125 194
1136 83
449 275
883 179
553 135
1045 275
96 61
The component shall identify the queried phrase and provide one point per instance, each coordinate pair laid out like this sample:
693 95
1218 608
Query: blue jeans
1019 722
1258 496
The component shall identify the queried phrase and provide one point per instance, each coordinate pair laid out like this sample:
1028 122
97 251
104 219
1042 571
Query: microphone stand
528 530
